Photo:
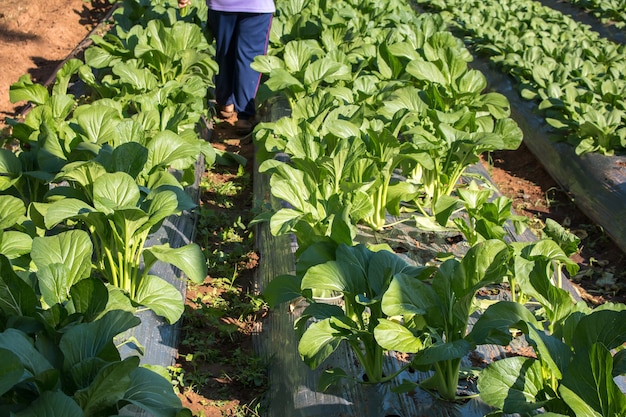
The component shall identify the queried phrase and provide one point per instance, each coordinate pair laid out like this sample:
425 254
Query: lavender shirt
250 6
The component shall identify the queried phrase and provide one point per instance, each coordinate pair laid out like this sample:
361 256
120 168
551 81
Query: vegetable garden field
399 280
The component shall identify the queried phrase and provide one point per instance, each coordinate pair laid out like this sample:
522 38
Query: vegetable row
575 76
97 165
608 11
385 117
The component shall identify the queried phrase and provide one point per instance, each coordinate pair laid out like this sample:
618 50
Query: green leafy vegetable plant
435 312
573 371
59 354
120 217
485 217
362 276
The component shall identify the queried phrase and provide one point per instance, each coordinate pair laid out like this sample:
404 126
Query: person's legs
223 26
252 39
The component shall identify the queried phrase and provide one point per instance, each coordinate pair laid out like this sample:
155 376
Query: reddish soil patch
37 35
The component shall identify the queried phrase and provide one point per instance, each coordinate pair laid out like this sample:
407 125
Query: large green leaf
588 383
331 276
327 71
281 289
83 173
473 82
129 157
605 327
495 324
166 148
107 388
17 298
320 340
138 79
188 258
113 191
23 347
52 404
553 353
161 297
266 63
484 263
128 131
549 249
97 122
440 353
163 203
55 281
382 266
577 404
407 295
297 54
280 79
62 260
10 169
511 133
52 155
101 56
89 297
64 209
289 184
25 90
151 392
394 336
11 370
512 385
285 221
426 71
12 210
63 76
88 340
15 244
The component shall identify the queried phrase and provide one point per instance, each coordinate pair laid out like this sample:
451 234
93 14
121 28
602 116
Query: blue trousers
239 37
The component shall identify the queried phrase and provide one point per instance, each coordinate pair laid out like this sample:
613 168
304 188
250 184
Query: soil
37 35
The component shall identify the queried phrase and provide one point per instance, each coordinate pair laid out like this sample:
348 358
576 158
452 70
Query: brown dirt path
36 36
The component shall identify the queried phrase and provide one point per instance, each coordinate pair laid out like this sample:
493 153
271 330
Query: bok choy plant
318 206
446 116
120 216
362 276
573 371
435 312
16 231
58 344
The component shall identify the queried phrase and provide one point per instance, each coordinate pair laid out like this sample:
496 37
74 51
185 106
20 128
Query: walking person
241 30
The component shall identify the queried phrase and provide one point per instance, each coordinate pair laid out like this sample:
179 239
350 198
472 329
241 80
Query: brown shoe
225 112
244 126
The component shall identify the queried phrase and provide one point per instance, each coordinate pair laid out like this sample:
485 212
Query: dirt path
35 37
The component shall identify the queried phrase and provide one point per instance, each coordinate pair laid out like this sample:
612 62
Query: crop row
576 77
97 165
385 117
608 11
